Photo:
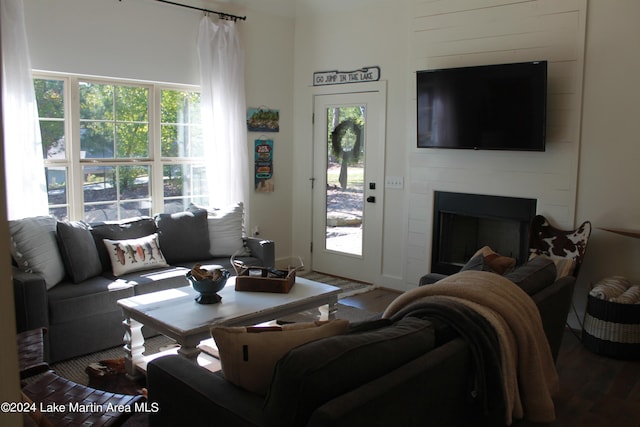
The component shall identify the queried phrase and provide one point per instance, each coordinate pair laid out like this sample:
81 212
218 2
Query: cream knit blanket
529 373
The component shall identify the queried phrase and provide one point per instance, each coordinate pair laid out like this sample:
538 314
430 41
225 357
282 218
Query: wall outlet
396 182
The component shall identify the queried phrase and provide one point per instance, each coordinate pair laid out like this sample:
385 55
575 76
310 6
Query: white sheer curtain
223 110
24 167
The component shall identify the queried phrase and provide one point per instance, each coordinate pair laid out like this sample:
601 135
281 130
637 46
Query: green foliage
50 96
181 134
114 120
114 125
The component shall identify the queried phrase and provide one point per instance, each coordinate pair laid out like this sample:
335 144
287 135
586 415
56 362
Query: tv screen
490 107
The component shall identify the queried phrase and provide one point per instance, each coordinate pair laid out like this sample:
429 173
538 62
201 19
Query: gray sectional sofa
407 371
67 276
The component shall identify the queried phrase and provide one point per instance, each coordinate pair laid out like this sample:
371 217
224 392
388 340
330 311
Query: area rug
76 369
343 311
104 370
348 287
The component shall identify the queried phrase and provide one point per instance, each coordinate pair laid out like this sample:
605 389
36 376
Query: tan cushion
498 263
248 355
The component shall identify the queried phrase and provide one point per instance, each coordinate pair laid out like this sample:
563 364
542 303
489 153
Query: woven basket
612 329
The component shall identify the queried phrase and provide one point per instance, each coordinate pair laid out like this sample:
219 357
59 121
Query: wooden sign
368 74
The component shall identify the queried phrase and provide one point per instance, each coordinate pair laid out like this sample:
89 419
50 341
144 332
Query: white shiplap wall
454 33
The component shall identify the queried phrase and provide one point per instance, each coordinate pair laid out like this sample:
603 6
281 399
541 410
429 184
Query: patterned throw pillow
132 255
130 228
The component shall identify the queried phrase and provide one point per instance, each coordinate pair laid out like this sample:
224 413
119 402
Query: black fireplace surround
463 223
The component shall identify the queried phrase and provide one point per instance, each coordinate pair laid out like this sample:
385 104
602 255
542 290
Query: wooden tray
262 279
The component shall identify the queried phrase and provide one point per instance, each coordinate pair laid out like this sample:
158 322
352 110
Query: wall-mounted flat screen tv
489 107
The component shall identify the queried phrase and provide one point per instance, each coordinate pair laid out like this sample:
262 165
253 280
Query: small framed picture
263 120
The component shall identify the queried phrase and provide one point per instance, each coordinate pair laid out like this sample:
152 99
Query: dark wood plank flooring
375 301
595 391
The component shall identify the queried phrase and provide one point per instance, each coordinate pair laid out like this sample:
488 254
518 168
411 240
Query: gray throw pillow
534 275
184 236
476 263
34 248
78 250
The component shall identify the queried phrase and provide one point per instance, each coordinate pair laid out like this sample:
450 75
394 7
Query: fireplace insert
463 223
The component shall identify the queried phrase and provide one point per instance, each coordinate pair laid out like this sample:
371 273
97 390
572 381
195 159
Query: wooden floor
595 391
375 301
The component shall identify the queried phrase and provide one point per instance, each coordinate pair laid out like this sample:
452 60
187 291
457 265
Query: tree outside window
123 168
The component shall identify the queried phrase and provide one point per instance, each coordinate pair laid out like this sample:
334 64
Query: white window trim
73 161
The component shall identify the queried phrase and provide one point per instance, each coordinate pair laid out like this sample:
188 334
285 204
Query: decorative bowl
208 287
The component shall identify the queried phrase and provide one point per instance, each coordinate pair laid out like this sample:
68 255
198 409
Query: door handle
371 199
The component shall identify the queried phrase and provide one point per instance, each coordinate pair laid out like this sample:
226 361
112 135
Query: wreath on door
337 136
338 148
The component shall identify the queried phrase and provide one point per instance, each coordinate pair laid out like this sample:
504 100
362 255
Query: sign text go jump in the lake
367 74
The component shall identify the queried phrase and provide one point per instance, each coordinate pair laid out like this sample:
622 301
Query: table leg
333 308
133 346
189 352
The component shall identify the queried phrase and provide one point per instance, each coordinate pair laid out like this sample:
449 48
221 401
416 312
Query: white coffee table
175 314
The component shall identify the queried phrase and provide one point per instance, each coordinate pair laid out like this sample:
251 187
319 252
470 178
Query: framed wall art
263 120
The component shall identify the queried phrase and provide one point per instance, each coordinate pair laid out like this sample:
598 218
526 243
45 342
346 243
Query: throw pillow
311 375
564 266
78 250
476 263
132 255
248 354
184 236
35 249
131 228
225 230
534 275
498 263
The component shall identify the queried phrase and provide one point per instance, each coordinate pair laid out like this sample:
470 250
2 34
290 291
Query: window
51 100
181 135
124 149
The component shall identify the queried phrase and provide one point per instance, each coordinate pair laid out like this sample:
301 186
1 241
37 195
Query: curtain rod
222 15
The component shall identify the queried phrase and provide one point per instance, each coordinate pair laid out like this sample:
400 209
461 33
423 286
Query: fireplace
463 223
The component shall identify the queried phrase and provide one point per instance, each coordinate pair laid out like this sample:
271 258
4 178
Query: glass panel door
345 178
348 168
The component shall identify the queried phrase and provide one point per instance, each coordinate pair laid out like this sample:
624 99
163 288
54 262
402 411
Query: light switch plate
396 182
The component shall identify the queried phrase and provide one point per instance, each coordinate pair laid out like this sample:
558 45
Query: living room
572 180
582 176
